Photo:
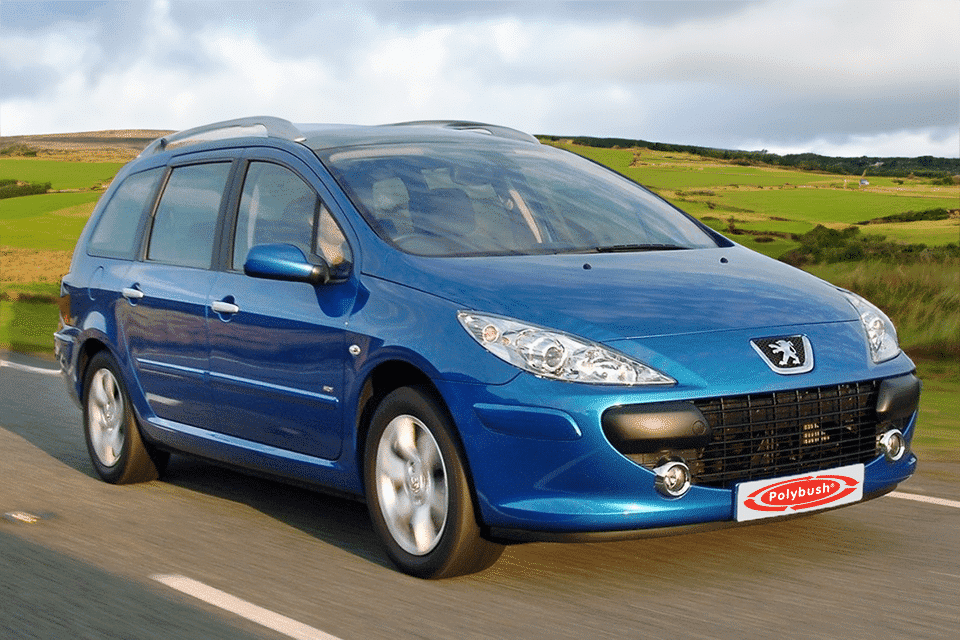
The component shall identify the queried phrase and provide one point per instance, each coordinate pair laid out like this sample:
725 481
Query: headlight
881 335
557 355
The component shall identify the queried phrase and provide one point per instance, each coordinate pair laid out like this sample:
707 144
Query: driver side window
277 206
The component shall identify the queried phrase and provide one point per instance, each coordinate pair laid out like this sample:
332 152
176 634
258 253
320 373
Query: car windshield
505 199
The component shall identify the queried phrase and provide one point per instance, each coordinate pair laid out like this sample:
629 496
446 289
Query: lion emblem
788 353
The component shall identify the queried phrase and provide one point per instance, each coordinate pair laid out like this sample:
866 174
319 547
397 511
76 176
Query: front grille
783 433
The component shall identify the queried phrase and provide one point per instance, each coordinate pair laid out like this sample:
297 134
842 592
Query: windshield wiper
627 248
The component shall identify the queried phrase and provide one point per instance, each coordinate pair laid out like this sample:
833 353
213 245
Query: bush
14 189
947 181
821 245
20 150
910 216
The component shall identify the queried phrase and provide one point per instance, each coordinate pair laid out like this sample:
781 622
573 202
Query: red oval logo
801 493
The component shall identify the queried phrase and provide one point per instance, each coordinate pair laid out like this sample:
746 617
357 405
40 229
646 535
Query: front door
277 348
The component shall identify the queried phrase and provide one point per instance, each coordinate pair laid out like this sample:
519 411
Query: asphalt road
308 565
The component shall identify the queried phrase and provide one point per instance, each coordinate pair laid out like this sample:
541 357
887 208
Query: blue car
487 339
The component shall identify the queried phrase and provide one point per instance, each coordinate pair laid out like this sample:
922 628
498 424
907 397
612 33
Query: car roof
333 136
330 136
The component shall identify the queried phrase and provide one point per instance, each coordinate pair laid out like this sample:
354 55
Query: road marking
263 617
29 369
925 499
21 516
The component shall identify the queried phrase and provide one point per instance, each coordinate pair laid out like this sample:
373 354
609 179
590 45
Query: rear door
277 348
167 292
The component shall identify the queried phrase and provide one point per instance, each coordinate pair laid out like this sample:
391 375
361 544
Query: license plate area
801 493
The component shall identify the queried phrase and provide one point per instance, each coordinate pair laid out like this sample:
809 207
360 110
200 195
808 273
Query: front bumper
66 353
550 473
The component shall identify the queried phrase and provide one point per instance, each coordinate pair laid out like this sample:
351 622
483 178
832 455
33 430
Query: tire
116 449
418 493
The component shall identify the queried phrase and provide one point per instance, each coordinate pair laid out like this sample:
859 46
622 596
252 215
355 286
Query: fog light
893 445
673 478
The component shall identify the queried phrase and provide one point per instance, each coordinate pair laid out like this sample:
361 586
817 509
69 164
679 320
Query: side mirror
285 262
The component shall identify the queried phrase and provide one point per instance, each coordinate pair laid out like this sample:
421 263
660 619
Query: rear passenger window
186 218
116 232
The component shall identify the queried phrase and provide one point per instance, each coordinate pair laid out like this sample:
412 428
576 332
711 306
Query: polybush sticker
800 493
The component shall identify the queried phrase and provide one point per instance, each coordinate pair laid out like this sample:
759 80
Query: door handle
224 307
131 294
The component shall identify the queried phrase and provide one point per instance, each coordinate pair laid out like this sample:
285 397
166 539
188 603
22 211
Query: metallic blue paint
279 262
277 364
528 422
631 295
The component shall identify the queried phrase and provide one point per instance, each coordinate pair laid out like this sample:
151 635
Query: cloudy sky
837 77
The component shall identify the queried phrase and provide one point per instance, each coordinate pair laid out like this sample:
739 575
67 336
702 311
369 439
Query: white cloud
894 144
835 75
59 49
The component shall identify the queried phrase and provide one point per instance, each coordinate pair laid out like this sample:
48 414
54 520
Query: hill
947 169
125 144
119 145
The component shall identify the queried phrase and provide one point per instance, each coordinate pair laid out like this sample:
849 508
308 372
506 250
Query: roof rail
260 126
478 127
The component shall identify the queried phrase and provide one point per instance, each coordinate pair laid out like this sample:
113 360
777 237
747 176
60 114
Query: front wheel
417 490
118 453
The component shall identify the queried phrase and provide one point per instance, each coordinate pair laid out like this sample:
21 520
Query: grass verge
938 426
27 325
922 299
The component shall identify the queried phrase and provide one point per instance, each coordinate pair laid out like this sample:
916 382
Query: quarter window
116 232
186 219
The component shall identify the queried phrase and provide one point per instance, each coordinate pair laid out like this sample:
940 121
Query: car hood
608 297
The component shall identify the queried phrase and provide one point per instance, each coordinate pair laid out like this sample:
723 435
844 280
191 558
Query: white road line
29 369
263 617
925 499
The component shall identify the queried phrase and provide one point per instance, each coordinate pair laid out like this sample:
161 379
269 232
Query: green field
52 221
938 436
759 199
26 326
61 175
38 233
818 205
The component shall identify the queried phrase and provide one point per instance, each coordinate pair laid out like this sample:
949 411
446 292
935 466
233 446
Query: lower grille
783 433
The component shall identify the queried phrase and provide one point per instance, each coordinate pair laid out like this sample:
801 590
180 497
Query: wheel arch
382 380
88 349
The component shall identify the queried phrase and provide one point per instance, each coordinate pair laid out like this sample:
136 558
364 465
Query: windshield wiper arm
627 248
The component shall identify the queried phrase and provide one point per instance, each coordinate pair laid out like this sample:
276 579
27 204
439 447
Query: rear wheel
117 451
418 493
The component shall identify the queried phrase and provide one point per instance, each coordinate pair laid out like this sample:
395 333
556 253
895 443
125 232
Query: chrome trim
893 445
661 480
805 366
224 307
259 384
131 294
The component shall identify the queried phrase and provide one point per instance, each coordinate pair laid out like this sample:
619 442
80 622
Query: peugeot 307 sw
487 339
